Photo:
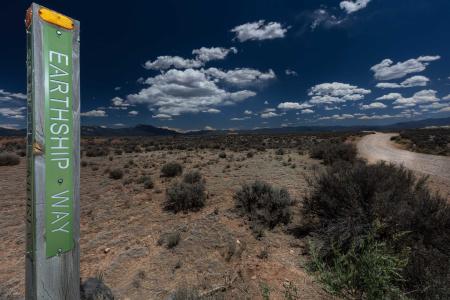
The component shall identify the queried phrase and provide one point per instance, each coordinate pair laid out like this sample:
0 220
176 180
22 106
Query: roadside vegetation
434 141
377 232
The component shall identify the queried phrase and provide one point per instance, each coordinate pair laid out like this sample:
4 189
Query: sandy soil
122 222
378 146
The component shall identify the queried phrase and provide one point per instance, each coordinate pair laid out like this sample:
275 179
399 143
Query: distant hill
138 130
149 130
12 132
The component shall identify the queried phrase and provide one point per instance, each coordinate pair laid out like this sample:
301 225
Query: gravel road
378 146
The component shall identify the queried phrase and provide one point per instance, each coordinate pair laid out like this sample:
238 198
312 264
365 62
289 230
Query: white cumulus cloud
269 114
373 105
336 92
241 76
353 6
294 105
5 96
185 91
258 31
413 81
94 113
387 70
13 112
214 53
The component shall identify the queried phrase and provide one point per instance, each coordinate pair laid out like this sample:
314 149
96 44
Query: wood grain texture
58 277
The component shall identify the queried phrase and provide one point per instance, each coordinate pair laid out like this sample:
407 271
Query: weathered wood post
53 151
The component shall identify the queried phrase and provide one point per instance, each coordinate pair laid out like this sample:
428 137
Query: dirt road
378 146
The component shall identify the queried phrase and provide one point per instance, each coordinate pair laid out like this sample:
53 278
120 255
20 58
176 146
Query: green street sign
57 58
52 258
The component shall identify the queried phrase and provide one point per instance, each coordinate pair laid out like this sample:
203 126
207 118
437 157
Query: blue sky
246 64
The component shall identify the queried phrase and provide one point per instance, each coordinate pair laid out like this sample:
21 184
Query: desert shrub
186 195
280 151
97 151
353 201
95 289
369 270
250 154
9 159
148 184
171 169
172 239
222 155
192 177
264 204
116 174
330 152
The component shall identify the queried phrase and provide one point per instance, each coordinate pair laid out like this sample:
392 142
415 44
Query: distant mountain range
149 130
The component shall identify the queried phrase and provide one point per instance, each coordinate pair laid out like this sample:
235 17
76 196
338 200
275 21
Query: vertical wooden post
53 138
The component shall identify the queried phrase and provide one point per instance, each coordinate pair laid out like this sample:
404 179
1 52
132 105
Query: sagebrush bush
193 177
368 270
172 239
333 151
264 204
95 289
352 200
9 159
116 174
186 195
171 169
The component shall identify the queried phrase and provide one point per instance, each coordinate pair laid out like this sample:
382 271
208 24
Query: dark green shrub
264 204
171 169
352 201
331 152
186 195
116 174
9 159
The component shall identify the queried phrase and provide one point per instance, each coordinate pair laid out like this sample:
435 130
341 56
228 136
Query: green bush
352 201
171 169
333 151
172 239
9 159
264 204
369 270
186 195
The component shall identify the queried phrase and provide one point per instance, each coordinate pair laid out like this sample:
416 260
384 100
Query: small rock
106 250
